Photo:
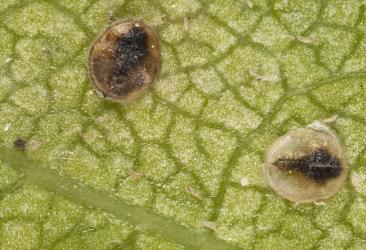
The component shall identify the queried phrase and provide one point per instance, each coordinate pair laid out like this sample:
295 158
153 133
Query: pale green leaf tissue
181 167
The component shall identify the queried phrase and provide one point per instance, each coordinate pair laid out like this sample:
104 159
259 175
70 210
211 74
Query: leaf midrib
89 197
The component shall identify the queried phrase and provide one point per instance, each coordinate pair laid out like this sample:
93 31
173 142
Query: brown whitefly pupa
124 60
307 164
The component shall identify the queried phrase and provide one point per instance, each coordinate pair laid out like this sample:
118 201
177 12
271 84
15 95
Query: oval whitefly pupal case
307 164
124 60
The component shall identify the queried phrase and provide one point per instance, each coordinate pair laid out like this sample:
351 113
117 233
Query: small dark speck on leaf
20 143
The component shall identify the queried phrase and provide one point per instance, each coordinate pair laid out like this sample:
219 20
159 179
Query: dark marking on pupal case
319 165
131 49
125 60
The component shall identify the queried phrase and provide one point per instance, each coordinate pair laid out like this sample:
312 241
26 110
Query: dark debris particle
20 143
319 165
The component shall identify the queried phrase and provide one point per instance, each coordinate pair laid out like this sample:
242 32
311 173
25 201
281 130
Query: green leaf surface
181 167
